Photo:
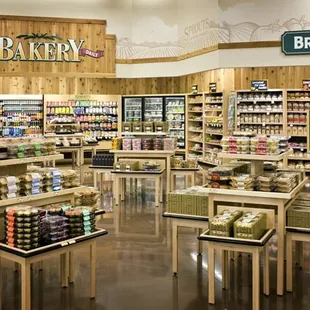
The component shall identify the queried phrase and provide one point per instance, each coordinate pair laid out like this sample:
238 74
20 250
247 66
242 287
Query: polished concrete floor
134 270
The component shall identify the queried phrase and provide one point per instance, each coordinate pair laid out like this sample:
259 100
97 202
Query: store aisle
134 270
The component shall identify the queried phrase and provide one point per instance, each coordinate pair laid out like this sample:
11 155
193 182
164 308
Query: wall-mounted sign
259 85
41 47
212 87
195 89
296 42
306 84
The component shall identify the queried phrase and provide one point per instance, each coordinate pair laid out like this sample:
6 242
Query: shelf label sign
295 42
212 87
43 48
195 89
259 85
306 84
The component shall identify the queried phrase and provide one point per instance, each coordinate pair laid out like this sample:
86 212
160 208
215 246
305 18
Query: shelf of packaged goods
170 112
298 158
253 194
260 124
195 120
304 112
166 152
78 107
214 102
298 148
59 114
195 112
174 105
259 100
212 143
300 136
175 120
29 160
63 124
196 151
211 152
214 133
254 157
152 111
192 103
144 133
195 141
178 129
297 124
43 196
207 163
198 131
299 100
260 112
53 135
213 110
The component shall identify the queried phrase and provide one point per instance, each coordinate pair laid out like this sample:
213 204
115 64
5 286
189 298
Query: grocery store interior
154 154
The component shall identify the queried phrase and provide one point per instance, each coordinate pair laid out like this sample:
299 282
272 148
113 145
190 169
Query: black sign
212 87
306 84
195 89
257 85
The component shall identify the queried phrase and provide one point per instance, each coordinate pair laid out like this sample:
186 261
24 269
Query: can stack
127 144
147 144
136 144
158 144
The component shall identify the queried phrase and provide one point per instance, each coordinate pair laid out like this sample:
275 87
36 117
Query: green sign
296 42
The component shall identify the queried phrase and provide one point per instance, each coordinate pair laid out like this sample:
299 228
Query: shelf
195 112
138 153
261 112
212 143
207 163
195 141
176 129
298 158
214 133
26 199
298 111
201 152
299 100
253 157
301 136
29 160
198 131
144 133
298 147
195 120
170 112
260 124
213 110
195 103
260 100
214 102
298 124
175 120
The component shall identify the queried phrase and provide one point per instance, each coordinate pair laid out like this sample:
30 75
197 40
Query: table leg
101 183
174 247
255 280
193 179
186 180
157 191
71 267
299 250
289 262
281 245
1 285
225 269
211 273
266 270
116 189
95 177
172 180
199 243
40 265
161 195
123 181
93 270
168 168
63 270
73 160
26 285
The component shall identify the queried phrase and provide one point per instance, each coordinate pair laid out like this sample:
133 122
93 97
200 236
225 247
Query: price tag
64 244
272 101
264 124
268 113
56 193
254 101
71 241
21 199
291 125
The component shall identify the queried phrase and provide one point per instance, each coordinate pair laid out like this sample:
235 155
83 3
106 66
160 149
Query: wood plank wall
227 79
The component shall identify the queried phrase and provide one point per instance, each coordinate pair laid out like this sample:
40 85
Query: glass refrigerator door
133 109
153 109
175 116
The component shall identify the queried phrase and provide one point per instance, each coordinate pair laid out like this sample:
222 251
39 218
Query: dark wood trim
53 19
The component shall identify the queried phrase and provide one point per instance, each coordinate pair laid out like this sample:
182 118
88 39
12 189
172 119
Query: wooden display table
279 201
254 247
87 148
76 152
26 258
184 220
293 234
101 170
183 172
166 155
120 177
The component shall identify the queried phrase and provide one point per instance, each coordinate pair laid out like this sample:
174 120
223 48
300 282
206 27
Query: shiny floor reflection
134 270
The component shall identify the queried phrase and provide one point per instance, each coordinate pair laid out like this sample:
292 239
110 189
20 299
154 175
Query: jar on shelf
295 106
294 130
277 130
267 130
267 119
307 106
264 118
272 118
289 130
277 118
301 130
301 107
272 130
290 118
305 130
290 106
302 118
259 118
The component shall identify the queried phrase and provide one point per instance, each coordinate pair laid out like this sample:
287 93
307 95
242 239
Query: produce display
27 227
126 166
188 201
150 166
260 145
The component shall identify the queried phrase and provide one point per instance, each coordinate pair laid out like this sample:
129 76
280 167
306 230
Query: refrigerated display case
170 109
175 116
153 109
132 108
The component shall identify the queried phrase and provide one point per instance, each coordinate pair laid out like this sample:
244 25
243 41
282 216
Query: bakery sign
42 47
296 42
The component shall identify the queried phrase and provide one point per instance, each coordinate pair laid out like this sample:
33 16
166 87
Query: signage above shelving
296 42
259 85
212 87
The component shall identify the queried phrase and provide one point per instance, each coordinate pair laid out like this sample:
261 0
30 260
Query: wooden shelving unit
194 125
263 112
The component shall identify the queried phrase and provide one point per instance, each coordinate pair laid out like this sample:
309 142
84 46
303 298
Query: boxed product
286 182
70 178
222 225
151 166
148 127
175 200
127 127
89 197
126 166
242 182
160 126
250 226
137 126
298 216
